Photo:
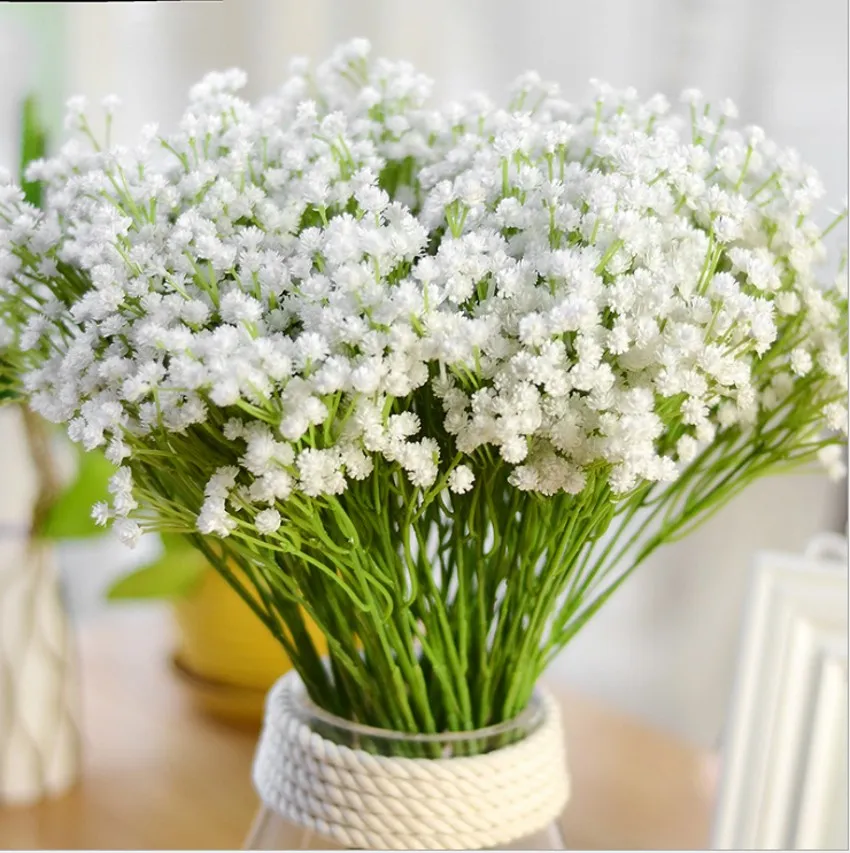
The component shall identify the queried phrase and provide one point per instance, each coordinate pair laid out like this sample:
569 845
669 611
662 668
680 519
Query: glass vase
290 818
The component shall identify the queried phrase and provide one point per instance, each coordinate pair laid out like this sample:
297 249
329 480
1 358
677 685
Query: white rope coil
377 802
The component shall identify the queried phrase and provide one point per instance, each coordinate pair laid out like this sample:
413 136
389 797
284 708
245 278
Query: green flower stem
441 610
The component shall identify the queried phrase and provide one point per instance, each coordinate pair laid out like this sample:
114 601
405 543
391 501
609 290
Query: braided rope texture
377 802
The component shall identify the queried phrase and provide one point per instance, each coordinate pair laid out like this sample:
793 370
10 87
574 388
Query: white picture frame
823 810
785 749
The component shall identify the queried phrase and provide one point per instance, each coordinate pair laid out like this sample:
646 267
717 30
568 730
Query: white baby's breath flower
461 479
728 108
221 482
686 448
237 306
75 109
267 521
345 338
831 457
524 478
110 103
801 361
545 283
836 417
121 482
101 514
128 531
123 504
233 429
214 518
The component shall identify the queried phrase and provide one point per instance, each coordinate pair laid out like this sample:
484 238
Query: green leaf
33 147
174 574
70 515
8 386
174 543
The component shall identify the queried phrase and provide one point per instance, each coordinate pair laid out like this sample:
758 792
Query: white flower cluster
340 273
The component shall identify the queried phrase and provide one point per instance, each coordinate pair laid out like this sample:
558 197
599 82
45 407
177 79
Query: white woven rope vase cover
39 698
376 802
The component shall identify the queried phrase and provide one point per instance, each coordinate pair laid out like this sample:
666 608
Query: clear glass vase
272 831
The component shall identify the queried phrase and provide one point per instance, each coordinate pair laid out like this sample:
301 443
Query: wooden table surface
159 775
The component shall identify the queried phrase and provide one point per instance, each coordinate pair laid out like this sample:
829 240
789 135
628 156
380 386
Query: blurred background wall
665 647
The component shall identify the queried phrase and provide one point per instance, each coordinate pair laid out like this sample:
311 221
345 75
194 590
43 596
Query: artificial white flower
801 361
461 479
267 521
214 518
831 458
334 311
562 289
128 531
101 514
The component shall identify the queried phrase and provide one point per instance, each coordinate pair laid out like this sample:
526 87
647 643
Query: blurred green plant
69 515
33 147
173 575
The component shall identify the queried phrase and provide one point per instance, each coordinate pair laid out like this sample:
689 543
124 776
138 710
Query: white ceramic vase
39 687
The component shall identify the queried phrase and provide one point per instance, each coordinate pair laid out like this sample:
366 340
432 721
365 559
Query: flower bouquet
438 380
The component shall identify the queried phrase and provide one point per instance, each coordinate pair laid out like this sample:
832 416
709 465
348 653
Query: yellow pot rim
211 685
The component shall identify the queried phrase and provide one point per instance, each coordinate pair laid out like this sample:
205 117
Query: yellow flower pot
226 656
